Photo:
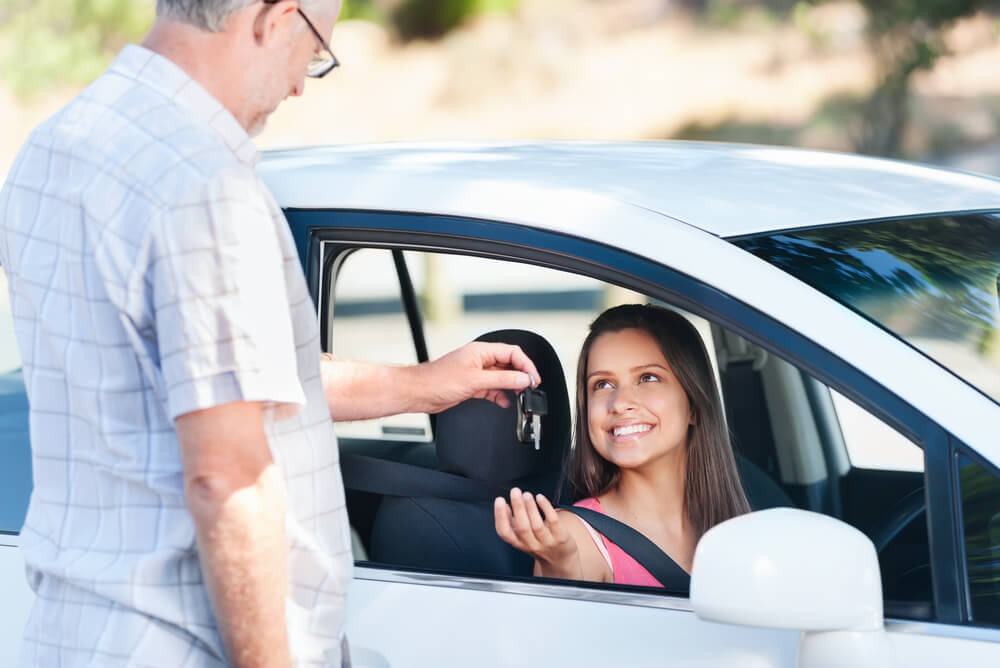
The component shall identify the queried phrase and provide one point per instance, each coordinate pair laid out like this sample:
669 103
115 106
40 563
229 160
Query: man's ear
273 20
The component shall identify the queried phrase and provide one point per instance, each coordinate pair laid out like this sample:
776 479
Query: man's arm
236 496
362 390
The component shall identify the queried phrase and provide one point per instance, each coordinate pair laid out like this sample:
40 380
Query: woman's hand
521 525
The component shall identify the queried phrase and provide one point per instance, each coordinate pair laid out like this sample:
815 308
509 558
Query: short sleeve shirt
152 274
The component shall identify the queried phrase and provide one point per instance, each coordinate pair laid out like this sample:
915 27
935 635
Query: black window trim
348 229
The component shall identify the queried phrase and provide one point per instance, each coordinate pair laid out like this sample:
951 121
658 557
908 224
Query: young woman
651 450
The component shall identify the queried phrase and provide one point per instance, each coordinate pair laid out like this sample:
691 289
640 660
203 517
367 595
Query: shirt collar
151 69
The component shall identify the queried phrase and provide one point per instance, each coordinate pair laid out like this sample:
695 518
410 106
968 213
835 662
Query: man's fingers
496 379
510 356
499 397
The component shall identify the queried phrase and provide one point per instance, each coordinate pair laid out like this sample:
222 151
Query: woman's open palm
522 525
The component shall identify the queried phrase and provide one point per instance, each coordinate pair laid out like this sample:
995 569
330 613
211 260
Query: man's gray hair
208 15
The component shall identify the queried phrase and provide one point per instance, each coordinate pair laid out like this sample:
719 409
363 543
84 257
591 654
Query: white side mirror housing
788 569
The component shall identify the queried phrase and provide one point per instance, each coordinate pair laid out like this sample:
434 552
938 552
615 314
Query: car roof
723 189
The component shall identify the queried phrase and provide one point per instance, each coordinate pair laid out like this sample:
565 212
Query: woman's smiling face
637 411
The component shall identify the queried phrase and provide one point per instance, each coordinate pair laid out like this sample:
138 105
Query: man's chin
257 126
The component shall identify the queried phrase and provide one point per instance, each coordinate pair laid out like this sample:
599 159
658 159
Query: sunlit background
918 79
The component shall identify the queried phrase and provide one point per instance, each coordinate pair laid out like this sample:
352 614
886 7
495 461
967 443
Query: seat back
477 440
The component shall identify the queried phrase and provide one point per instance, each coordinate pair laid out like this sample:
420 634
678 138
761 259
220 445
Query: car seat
476 440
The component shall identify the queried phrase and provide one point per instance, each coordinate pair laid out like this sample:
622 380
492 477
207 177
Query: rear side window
15 451
980 490
932 282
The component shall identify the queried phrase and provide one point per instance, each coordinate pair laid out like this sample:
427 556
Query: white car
851 308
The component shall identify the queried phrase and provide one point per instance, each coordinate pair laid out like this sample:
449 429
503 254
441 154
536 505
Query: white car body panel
723 189
17 599
398 179
484 623
480 627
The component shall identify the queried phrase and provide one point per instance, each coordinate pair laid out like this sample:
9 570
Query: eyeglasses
322 61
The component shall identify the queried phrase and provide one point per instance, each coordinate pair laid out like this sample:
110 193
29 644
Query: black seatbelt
653 559
384 476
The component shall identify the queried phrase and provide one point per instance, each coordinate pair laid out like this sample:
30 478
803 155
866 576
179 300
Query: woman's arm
559 543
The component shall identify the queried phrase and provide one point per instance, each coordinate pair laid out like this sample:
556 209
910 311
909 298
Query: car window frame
314 228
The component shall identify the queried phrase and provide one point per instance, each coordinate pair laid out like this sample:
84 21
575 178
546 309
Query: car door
15 485
419 617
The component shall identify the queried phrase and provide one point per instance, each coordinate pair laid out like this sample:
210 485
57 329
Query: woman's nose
623 400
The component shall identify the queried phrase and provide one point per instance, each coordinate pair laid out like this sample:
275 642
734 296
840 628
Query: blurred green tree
905 37
361 9
49 42
414 19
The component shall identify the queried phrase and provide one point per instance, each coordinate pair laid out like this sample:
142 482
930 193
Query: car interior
420 488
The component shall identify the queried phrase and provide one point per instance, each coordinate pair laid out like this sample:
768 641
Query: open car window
797 443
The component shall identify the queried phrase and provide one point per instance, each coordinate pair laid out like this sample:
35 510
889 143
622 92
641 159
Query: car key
532 404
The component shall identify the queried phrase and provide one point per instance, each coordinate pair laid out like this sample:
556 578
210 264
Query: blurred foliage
48 42
51 42
905 36
413 19
364 10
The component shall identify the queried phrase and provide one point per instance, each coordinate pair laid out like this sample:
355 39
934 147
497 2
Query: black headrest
477 438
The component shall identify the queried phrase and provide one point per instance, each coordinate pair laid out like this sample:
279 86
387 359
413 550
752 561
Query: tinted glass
15 451
981 519
932 282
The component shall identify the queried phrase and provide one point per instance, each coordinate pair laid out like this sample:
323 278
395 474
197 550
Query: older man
188 508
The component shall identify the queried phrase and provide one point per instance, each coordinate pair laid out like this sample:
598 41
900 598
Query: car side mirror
785 568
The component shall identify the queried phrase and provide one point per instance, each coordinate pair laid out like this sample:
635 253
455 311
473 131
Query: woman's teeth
631 429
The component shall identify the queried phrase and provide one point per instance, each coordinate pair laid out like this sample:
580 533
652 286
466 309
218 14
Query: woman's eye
649 378
600 385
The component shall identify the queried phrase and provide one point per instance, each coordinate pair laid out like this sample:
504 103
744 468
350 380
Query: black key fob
532 404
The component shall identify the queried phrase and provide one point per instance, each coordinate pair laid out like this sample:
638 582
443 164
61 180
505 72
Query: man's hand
359 390
477 370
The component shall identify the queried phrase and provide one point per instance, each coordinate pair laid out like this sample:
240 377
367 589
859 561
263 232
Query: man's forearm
243 550
362 390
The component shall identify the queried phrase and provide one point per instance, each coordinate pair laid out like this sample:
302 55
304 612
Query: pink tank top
624 569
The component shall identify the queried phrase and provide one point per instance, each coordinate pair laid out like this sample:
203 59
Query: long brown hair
712 489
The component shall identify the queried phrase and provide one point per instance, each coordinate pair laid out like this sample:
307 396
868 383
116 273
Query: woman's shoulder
591 503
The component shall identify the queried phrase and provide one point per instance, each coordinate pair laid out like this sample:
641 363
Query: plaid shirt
152 274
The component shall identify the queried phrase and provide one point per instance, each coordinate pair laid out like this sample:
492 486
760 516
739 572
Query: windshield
932 282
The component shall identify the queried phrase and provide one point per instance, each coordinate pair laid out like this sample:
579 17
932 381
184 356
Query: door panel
468 627
916 649
18 598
